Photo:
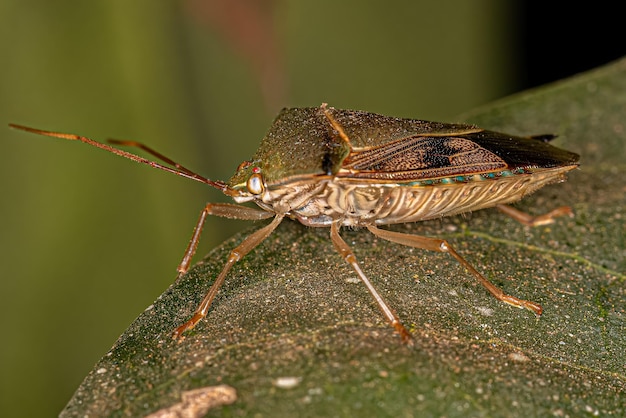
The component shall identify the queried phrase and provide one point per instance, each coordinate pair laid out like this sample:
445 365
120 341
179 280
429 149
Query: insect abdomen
360 203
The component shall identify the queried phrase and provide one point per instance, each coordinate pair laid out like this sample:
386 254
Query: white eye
255 184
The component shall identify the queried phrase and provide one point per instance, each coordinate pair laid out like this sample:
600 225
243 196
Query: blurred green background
199 81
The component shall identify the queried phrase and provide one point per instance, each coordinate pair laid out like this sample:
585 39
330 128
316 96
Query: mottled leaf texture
292 333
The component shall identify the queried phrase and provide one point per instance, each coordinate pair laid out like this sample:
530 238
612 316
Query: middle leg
346 253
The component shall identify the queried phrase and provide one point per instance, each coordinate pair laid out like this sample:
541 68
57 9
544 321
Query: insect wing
418 158
430 157
524 152
303 142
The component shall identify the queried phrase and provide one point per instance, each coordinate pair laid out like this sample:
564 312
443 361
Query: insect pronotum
328 167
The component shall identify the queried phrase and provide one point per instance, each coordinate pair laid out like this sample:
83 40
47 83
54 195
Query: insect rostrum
327 167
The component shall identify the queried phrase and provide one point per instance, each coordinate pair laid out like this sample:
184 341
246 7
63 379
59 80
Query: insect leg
247 245
224 210
440 245
529 220
344 250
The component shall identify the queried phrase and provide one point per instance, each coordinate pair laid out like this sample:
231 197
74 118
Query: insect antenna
175 169
158 155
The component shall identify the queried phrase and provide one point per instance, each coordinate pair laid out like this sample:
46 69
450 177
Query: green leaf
293 332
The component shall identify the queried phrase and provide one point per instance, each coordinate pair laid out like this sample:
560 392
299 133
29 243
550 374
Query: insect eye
255 184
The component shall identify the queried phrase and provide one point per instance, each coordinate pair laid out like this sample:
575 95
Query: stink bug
327 167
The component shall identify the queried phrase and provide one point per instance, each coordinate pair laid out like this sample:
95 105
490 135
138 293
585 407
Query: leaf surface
295 334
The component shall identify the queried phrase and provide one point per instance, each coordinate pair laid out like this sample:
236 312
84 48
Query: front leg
247 245
224 210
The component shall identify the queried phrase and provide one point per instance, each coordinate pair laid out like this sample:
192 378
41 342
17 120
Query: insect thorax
358 202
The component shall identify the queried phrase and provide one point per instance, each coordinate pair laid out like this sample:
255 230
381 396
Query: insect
327 167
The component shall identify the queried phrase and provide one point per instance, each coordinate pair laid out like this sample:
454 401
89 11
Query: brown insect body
327 167
361 168
358 203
